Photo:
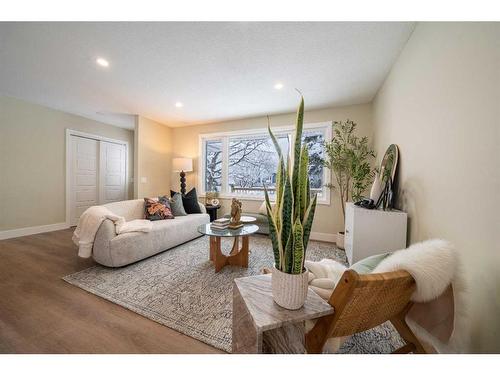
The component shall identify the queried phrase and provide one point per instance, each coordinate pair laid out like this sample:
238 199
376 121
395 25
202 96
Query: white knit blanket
434 265
90 221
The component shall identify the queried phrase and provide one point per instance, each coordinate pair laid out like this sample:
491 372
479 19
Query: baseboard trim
327 237
13 233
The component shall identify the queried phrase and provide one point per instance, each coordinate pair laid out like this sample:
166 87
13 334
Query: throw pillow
189 201
164 199
156 210
176 205
367 265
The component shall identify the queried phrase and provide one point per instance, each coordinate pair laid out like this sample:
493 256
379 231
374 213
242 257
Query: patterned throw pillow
157 210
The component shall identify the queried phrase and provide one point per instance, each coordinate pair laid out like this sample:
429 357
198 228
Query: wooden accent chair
364 301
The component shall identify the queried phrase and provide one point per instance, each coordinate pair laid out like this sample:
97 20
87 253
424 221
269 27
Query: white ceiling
219 71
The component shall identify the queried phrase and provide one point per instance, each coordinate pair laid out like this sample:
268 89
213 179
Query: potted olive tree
348 157
290 222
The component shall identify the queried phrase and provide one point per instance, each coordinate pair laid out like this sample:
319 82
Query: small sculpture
235 222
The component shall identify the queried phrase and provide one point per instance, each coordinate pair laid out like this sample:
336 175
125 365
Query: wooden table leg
244 251
235 248
237 257
213 244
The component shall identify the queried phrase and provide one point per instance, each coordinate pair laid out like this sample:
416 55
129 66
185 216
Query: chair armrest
202 208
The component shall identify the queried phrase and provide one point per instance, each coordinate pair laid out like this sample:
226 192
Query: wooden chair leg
318 335
406 333
408 348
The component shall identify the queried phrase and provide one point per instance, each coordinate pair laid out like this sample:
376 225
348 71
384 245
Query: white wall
440 104
153 158
328 218
32 161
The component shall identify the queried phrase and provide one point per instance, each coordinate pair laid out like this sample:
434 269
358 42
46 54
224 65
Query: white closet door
112 172
83 177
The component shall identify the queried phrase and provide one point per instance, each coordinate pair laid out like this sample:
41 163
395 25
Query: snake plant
290 220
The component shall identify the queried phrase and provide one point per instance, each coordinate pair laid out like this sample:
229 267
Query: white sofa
119 250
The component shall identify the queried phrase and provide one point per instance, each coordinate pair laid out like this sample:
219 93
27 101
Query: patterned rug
179 289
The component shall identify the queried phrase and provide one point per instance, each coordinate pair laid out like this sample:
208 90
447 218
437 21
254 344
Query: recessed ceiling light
278 86
179 104
102 62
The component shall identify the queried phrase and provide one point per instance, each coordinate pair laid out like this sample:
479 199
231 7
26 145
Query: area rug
180 289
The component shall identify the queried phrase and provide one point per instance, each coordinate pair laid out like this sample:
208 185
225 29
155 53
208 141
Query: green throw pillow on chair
367 265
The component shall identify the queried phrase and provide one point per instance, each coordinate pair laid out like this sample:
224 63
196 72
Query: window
314 141
213 165
252 164
242 164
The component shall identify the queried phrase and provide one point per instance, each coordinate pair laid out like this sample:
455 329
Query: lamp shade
182 164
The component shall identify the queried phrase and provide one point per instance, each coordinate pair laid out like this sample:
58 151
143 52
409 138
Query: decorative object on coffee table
248 219
290 221
348 157
235 221
238 255
182 165
261 326
212 211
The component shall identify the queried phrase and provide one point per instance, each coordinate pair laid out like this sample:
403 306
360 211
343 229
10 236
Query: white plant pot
289 291
340 240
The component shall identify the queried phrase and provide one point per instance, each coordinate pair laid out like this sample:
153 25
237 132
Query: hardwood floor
41 313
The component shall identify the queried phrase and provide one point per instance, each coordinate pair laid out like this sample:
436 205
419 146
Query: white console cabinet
370 232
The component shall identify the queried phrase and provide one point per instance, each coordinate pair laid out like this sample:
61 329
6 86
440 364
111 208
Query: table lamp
182 165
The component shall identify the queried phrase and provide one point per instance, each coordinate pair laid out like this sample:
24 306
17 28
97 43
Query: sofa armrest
202 208
101 252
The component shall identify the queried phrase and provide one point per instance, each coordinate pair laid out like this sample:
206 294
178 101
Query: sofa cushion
130 247
189 201
177 206
130 210
157 209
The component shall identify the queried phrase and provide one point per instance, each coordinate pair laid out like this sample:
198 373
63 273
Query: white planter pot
340 240
290 291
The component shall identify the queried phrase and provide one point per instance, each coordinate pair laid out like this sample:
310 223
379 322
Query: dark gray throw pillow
177 206
189 201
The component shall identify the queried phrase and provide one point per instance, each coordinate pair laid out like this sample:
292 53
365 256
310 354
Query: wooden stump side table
238 255
262 326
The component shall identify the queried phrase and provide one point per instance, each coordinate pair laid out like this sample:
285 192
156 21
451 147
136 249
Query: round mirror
389 164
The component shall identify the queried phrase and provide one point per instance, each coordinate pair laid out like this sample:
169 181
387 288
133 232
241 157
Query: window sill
321 202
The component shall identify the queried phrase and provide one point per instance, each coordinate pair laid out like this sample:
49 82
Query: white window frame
326 127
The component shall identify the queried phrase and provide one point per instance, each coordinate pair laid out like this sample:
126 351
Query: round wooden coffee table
238 256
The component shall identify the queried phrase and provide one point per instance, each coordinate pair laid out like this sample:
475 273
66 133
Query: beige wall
32 161
328 218
440 104
153 158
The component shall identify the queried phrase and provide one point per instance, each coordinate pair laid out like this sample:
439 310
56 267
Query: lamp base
183 182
